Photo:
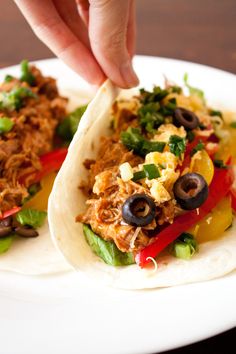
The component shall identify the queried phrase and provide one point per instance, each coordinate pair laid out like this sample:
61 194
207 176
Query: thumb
108 22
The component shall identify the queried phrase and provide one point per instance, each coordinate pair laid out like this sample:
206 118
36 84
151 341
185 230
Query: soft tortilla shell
215 258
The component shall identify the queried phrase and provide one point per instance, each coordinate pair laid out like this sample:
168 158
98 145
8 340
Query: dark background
203 31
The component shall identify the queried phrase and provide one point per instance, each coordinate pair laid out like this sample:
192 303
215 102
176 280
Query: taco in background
34 131
144 196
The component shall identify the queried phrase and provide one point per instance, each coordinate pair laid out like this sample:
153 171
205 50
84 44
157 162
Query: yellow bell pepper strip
219 187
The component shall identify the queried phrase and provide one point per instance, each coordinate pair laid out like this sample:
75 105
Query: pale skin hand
96 38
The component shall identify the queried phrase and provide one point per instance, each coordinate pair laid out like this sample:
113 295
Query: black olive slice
25 231
138 210
190 191
186 118
6 222
5 230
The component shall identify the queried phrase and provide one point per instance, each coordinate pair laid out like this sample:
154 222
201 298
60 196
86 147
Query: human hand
95 38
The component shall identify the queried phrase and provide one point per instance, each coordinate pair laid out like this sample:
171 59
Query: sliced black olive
25 231
138 210
191 191
6 222
5 231
186 118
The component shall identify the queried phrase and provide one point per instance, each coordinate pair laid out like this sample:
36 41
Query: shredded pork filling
107 192
32 135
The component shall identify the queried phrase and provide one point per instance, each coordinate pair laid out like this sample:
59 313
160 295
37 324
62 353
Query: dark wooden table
202 31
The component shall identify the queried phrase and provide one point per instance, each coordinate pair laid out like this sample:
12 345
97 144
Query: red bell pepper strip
10 212
50 162
219 187
233 198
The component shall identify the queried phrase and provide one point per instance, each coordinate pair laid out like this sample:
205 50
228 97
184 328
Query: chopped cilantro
198 147
155 96
219 164
190 136
133 140
149 117
175 89
177 145
8 78
214 112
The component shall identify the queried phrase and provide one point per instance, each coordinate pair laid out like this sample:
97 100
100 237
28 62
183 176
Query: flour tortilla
215 258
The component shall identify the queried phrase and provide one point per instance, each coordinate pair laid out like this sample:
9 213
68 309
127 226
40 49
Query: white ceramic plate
66 313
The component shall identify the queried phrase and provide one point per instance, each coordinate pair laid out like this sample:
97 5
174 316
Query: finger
51 29
69 14
108 21
83 9
131 29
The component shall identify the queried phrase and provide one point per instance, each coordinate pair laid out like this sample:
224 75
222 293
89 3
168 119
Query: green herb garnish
169 108
154 96
8 78
190 136
14 99
31 217
198 147
219 164
138 175
185 246
193 90
67 128
107 250
6 125
214 112
151 171
133 140
233 125
149 117
26 74
177 145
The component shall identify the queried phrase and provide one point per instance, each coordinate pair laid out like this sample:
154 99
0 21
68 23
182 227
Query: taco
145 195
34 130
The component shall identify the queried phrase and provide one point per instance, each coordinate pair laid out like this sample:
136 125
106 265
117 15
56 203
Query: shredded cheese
135 235
154 262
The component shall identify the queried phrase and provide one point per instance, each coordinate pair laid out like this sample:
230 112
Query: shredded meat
31 136
111 154
107 192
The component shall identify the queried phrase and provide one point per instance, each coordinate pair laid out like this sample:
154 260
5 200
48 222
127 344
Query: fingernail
128 74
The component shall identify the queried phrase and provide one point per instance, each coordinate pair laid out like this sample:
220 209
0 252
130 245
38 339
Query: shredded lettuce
106 250
31 217
5 243
67 128
193 90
